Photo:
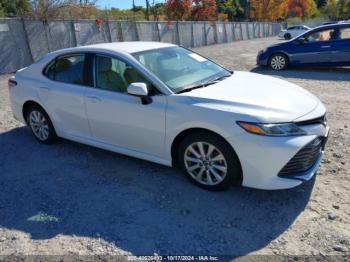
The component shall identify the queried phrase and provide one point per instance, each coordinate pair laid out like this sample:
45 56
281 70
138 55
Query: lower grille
304 159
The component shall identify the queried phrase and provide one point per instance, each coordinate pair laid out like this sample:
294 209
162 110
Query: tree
177 9
232 8
320 3
343 7
301 8
204 10
14 7
330 10
268 9
51 9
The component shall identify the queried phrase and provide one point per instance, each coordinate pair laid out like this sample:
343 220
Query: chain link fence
24 41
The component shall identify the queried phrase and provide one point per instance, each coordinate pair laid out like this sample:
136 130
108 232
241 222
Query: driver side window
115 75
319 36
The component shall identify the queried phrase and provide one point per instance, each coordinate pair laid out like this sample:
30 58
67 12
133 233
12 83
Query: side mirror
301 40
140 90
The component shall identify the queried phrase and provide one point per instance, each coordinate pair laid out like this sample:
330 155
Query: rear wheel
278 62
41 125
208 161
287 36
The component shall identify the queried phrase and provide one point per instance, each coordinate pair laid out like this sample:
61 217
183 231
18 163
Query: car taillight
12 82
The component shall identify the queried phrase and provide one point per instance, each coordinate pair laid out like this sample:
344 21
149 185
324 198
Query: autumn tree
301 8
204 10
178 9
268 9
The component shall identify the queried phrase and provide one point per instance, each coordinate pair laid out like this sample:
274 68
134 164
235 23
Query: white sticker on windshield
198 57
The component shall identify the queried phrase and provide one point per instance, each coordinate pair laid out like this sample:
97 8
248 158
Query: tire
287 36
278 62
40 124
215 171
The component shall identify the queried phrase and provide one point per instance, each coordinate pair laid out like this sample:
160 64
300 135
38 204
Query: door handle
45 88
94 99
326 46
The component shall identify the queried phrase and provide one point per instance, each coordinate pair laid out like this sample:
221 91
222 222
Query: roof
343 24
130 47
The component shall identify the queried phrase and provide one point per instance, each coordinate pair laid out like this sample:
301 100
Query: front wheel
209 161
41 125
278 62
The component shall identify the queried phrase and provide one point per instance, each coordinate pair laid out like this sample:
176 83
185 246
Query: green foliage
320 3
233 8
118 14
337 10
344 9
14 7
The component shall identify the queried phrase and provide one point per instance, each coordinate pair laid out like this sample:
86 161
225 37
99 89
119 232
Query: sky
122 4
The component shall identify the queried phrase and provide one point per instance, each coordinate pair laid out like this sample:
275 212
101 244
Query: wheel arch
179 137
27 105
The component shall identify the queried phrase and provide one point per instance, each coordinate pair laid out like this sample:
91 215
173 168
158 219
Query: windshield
180 68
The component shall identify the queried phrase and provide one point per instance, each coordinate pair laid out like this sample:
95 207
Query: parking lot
74 199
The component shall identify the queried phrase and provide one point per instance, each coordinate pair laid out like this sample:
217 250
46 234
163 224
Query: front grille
304 159
320 120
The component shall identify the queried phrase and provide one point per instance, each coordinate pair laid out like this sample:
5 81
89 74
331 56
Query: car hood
264 98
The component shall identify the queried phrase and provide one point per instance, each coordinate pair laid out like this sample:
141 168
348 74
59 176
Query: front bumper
262 158
262 59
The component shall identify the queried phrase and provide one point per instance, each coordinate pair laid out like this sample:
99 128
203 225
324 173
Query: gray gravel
74 199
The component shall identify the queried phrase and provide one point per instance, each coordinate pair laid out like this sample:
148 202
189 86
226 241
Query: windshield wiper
204 84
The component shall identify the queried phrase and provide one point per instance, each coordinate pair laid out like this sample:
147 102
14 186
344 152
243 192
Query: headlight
287 129
262 51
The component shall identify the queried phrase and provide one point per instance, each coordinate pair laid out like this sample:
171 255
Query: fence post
27 40
136 31
192 34
233 31
72 27
241 31
225 30
205 34
45 25
158 30
215 33
120 31
177 33
109 34
247 28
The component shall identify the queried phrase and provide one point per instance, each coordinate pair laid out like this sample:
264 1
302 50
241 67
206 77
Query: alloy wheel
278 62
39 125
205 163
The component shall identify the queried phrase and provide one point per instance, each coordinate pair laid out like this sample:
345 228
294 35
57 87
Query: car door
62 93
316 49
119 119
341 47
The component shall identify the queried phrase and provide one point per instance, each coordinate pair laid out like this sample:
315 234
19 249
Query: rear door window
67 69
345 33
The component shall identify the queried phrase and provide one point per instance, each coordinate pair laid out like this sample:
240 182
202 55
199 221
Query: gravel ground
73 199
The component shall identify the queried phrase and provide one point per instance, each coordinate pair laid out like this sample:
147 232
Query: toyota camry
169 105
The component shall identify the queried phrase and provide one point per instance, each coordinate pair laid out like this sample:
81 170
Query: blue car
327 45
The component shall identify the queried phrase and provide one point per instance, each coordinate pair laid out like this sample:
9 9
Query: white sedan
166 104
293 31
